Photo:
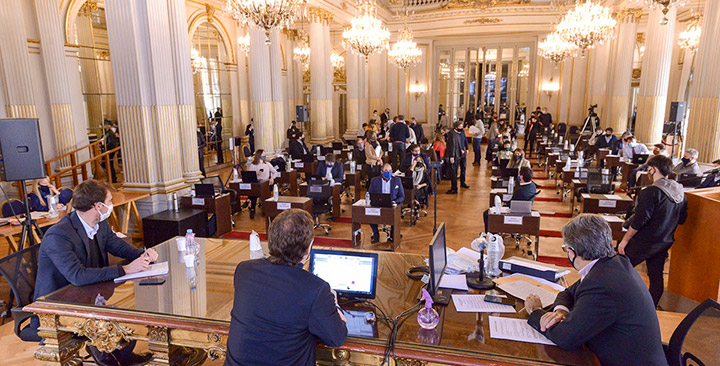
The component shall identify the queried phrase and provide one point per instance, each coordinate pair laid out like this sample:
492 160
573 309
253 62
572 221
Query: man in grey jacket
689 164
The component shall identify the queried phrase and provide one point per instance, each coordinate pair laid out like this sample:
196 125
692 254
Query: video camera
591 110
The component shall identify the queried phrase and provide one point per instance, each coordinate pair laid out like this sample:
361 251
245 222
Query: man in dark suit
526 190
399 135
455 155
297 147
280 310
386 184
329 168
659 209
75 251
545 118
413 152
608 309
385 117
250 133
712 178
201 151
608 141
418 129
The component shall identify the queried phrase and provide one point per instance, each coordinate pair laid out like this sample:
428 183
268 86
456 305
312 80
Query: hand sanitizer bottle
428 318
276 193
367 199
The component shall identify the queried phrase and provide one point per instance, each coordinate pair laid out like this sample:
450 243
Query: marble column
333 125
352 75
261 90
703 132
621 69
655 77
19 100
318 88
184 89
52 47
278 92
145 92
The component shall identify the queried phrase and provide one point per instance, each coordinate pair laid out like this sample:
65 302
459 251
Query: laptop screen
350 274
204 190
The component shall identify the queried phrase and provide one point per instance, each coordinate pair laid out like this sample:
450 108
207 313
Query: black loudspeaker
21 149
301 114
677 111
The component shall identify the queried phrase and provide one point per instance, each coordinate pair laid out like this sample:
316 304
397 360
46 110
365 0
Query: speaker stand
28 224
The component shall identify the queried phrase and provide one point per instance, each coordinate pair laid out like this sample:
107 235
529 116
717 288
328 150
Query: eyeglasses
565 248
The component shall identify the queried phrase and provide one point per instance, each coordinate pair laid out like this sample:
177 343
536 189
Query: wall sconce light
417 89
550 87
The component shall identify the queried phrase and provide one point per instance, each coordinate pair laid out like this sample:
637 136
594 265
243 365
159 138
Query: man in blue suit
330 169
386 184
75 251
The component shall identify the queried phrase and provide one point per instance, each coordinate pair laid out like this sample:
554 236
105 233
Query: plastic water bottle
189 242
367 199
496 250
52 206
511 185
318 151
276 192
352 167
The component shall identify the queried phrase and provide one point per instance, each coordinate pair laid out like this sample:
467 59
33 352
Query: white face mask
104 216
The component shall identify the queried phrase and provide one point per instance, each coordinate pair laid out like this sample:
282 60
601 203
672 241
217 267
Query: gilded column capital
628 15
320 15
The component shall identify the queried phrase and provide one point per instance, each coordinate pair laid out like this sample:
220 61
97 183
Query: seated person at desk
712 179
688 165
42 188
632 148
421 180
635 174
518 160
608 309
264 171
386 184
280 310
506 152
75 251
413 152
608 141
525 191
297 147
359 151
330 169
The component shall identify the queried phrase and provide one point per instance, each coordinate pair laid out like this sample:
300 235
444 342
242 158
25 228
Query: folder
531 268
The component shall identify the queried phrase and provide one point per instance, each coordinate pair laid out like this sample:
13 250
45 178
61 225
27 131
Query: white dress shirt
386 186
89 230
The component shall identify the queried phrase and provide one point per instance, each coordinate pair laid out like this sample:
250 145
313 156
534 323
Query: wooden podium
694 272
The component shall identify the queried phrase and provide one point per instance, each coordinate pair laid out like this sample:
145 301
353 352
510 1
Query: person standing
217 136
112 141
385 117
477 130
453 153
417 128
201 151
441 113
399 135
280 310
264 172
659 209
373 155
545 118
250 133
531 134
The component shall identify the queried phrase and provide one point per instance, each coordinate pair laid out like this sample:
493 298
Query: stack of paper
156 269
455 282
477 304
516 330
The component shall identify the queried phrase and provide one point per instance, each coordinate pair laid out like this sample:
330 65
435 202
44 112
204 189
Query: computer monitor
640 158
438 260
337 145
204 190
248 176
351 274
508 172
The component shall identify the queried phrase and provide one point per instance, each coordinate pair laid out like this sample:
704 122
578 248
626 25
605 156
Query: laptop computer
308 158
520 207
204 190
507 173
337 145
249 176
640 158
380 200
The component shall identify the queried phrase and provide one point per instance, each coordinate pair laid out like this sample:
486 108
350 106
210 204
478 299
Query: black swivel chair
321 193
694 341
20 270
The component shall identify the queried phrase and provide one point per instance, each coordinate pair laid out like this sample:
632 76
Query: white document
477 304
283 205
541 280
516 330
512 220
613 197
455 282
522 290
469 254
372 211
156 269
607 203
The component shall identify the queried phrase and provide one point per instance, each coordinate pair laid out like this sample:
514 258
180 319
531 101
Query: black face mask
572 261
685 161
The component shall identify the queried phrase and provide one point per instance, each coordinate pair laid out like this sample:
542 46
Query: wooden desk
601 203
9 231
602 153
308 168
627 168
174 319
616 224
291 179
257 189
126 201
502 192
379 216
167 224
496 171
335 198
274 208
218 206
694 272
612 161
576 184
525 224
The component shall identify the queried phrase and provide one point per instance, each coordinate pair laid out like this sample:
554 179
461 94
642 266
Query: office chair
691 343
217 183
20 271
12 205
600 183
321 193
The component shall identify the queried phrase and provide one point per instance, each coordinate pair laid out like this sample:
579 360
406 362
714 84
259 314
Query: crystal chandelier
266 14
690 38
405 52
301 53
197 62
555 48
587 25
525 71
665 4
366 34
244 44
337 61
